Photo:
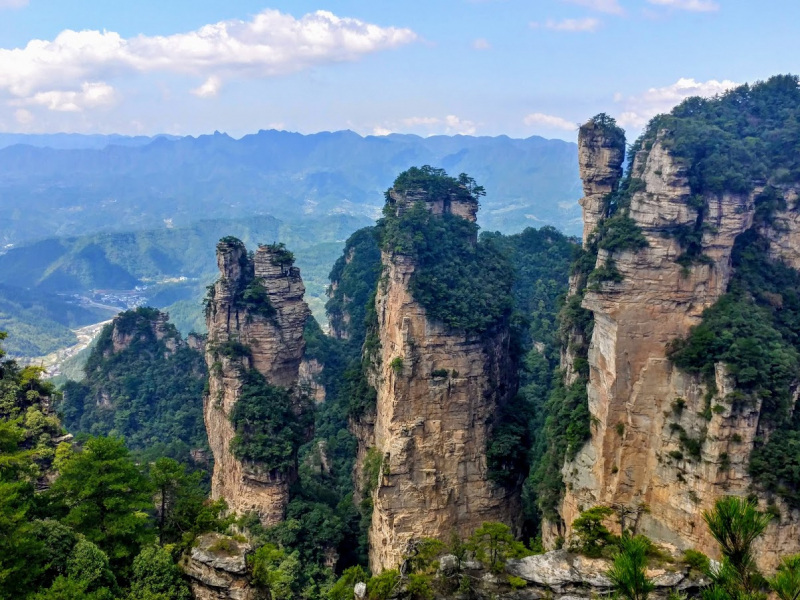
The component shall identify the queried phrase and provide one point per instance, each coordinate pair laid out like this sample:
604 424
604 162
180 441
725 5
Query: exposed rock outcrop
255 316
437 392
601 151
217 569
639 402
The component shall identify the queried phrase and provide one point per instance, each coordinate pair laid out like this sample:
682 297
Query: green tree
106 499
493 544
735 523
786 582
591 535
628 572
179 499
381 586
275 571
89 565
344 587
156 577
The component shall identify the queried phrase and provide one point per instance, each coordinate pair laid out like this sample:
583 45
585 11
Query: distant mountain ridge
77 141
46 191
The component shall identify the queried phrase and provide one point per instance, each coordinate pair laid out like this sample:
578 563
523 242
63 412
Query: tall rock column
438 390
255 315
601 150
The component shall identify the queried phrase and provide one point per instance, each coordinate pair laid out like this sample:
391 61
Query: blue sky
438 66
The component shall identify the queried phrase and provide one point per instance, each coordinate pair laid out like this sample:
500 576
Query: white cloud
690 5
23 116
611 7
92 95
638 110
481 44
549 121
571 25
13 3
272 43
457 125
381 131
209 89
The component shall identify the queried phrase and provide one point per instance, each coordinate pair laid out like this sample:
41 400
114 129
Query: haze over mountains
46 192
83 213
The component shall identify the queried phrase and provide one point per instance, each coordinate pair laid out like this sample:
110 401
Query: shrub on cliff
464 284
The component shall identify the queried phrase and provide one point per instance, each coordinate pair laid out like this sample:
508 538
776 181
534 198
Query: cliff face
255 317
600 156
640 404
437 392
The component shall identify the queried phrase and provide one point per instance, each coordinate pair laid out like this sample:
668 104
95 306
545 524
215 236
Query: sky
472 67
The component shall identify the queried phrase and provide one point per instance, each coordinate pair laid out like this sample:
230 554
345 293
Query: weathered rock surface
309 379
217 569
600 157
633 388
276 346
431 431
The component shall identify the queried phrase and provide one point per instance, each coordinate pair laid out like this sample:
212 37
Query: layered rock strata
438 390
259 329
639 402
217 569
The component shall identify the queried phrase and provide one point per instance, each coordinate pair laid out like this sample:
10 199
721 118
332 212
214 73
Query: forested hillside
143 383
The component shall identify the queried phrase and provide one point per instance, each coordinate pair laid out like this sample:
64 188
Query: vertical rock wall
633 461
438 390
275 348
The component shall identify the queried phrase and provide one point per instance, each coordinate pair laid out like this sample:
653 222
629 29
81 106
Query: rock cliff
255 315
438 390
645 412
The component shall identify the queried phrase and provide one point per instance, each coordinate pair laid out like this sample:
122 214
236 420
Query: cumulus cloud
91 95
690 5
481 44
456 125
380 131
13 3
611 7
271 43
549 121
638 110
570 25
209 88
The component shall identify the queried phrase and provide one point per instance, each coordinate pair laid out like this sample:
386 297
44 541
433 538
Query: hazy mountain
172 182
77 141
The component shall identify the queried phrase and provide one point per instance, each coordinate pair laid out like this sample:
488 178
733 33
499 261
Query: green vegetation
268 430
628 572
592 537
88 535
464 284
355 275
754 329
39 322
735 524
149 392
